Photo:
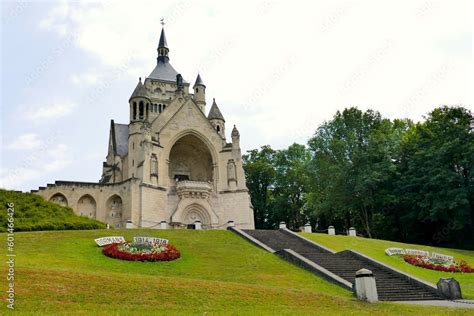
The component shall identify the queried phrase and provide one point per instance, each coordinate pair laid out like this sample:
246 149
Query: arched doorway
196 212
114 211
86 206
190 159
59 199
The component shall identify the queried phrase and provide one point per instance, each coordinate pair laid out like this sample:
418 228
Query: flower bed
141 252
438 264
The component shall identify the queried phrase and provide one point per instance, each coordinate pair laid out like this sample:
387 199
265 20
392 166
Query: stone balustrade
194 189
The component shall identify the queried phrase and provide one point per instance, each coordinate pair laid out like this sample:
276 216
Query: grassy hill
376 249
219 273
32 212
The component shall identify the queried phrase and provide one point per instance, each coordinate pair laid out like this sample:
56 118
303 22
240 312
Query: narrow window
140 110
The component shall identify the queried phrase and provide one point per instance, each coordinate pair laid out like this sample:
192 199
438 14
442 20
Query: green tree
260 176
290 186
352 164
436 186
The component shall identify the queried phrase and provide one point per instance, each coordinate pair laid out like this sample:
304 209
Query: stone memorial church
170 166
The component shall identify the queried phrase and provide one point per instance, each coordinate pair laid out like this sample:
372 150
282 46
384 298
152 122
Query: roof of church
140 90
215 113
121 139
199 81
163 71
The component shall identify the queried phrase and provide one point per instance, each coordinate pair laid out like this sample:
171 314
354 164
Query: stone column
282 225
230 224
365 287
307 228
352 232
331 230
197 225
163 225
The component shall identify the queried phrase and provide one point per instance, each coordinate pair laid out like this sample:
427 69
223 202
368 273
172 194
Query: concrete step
389 286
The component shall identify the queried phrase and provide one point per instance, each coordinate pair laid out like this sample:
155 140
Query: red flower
169 253
455 266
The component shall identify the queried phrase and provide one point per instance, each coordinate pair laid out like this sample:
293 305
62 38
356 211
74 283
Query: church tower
200 93
217 119
170 166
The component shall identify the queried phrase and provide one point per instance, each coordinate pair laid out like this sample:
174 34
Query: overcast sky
277 69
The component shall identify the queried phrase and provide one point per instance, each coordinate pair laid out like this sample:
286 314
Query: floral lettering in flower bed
109 240
150 240
439 264
141 252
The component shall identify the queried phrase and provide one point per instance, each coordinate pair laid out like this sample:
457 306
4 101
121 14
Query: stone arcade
170 164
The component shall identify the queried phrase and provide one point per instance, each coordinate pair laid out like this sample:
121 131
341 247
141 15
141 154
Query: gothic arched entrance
190 159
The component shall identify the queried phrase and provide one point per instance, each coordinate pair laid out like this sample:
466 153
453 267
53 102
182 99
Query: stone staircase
390 285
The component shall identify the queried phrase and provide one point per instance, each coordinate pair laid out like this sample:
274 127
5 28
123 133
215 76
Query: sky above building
278 69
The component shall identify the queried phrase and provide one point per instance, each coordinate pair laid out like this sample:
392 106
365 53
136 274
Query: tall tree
352 163
437 179
260 177
290 186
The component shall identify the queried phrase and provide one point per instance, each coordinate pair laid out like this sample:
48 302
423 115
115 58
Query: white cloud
26 142
50 111
36 165
241 50
57 18
90 77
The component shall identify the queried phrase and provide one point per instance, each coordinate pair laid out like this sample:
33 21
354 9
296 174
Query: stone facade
170 163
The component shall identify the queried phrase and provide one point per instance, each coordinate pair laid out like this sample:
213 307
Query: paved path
457 303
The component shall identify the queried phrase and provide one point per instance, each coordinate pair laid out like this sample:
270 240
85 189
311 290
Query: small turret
235 138
200 93
217 119
139 103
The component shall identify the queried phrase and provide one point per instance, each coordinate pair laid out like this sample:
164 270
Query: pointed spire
163 42
235 132
199 81
163 49
140 90
215 113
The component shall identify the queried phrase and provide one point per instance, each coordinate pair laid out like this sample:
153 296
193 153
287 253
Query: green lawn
64 272
376 249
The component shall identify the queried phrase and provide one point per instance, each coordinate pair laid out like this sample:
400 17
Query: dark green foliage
32 212
390 179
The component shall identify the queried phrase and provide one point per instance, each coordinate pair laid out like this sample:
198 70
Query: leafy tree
436 186
260 176
290 186
352 163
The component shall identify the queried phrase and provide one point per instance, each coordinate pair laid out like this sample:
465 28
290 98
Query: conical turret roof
235 132
199 81
215 113
140 91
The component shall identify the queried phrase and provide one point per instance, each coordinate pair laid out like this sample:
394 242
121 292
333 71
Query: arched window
218 129
140 110
134 117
